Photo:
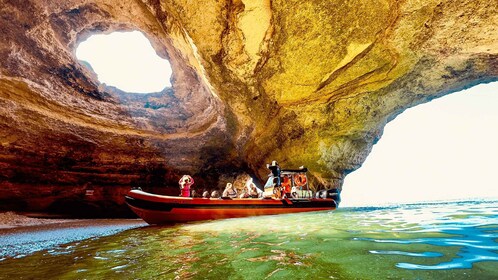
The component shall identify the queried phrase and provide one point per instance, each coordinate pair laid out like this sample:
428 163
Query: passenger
215 194
278 192
251 190
185 183
255 192
286 185
294 193
205 194
230 191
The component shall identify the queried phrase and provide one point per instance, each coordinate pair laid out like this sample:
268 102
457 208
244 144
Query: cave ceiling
302 82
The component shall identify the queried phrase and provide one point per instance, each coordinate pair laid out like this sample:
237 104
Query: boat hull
157 209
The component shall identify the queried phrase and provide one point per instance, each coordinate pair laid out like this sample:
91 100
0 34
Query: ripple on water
469 233
421 254
424 241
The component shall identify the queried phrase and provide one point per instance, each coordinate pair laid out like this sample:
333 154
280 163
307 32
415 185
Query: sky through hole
126 60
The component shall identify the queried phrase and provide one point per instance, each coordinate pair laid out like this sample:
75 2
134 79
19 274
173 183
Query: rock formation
302 82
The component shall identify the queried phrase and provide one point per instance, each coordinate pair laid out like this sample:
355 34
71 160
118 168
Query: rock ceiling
302 82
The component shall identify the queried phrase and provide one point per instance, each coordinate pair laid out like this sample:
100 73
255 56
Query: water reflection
472 230
433 241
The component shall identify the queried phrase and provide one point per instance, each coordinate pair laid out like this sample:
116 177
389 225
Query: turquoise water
456 240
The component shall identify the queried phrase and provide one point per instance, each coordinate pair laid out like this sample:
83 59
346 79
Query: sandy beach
21 235
15 220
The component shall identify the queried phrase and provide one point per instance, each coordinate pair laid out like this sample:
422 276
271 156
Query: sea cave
307 83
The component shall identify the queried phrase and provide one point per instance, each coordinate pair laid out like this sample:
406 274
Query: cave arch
441 150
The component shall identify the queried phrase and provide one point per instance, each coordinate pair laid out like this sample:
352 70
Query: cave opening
442 150
125 60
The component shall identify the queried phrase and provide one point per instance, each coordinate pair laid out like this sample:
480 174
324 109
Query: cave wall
303 82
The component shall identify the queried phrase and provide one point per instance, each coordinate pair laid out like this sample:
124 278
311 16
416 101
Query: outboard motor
335 194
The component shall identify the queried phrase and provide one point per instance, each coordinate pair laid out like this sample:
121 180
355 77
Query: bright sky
442 150
127 61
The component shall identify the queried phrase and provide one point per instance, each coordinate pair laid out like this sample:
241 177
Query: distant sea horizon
427 202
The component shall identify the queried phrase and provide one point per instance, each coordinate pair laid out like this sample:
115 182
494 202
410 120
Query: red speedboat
160 209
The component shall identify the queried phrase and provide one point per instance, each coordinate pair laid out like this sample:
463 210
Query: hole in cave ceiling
125 60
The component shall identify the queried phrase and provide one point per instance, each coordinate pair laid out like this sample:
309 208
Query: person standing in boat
185 183
275 170
278 191
229 191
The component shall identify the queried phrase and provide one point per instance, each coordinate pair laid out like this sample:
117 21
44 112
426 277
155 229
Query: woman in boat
185 183
230 191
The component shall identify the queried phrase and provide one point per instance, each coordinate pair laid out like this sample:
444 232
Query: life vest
286 184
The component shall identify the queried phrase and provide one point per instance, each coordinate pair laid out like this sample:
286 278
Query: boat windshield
269 182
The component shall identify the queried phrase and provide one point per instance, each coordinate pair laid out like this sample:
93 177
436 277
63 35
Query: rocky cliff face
302 82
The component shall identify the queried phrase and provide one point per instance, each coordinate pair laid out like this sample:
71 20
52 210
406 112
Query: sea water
456 240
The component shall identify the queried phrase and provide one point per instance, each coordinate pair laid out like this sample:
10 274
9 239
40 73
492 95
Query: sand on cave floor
13 220
21 235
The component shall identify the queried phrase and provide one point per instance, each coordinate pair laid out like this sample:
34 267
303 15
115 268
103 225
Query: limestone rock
303 82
